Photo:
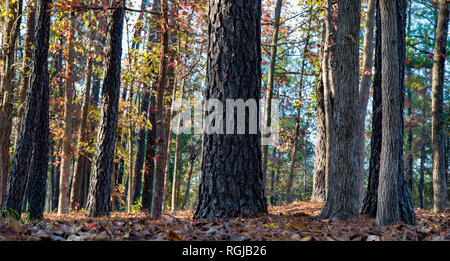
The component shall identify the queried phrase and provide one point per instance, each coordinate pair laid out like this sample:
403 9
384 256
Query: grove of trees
89 90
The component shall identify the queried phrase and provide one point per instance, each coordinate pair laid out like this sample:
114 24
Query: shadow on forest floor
294 222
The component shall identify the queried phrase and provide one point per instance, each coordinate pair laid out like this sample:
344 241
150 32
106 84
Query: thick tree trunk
39 168
29 131
63 206
394 195
231 183
388 212
438 126
270 85
342 129
99 190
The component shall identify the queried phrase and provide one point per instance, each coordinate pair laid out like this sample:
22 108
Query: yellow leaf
172 236
306 239
271 225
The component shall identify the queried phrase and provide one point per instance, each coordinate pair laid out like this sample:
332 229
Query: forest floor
294 222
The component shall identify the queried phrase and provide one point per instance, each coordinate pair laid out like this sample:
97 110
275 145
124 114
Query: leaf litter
294 222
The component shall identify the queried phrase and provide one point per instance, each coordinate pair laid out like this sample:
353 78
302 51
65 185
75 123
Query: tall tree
149 166
32 132
342 129
438 126
162 139
7 74
394 202
100 187
64 197
231 185
319 193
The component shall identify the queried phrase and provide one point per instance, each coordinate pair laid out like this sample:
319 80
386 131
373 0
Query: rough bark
39 168
162 139
342 129
438 126
99 190
38 83
231 182
319 192
270 85
387 207
394 195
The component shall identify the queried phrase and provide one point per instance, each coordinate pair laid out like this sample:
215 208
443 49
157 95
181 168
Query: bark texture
17 180
394 201
342 129
99 190
438 125
162 140
231 183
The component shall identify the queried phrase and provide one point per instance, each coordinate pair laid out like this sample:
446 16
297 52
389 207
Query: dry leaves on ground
294 222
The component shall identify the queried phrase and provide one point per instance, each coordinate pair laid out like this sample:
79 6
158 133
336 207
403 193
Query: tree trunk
364 90
188 185
319 192
63 206
342 129
99 190
422 166
28 55
231 183
149 167
394 196
162 139
10 35
270 85
438 126
369 206
29 130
